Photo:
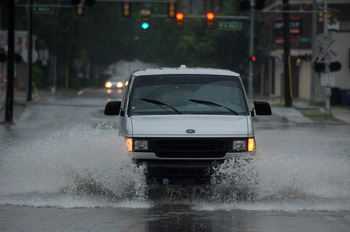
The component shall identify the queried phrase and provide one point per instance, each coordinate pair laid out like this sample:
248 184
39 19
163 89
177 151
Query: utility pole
10 62
287 63
54 53
313 47
327 70
30 50
251 50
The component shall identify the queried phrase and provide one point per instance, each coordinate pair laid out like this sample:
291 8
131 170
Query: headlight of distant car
243 145
108 84
120 84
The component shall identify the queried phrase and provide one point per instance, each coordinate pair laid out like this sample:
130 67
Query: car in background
116 83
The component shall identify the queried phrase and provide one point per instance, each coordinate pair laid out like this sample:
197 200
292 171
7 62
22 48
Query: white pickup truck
182 121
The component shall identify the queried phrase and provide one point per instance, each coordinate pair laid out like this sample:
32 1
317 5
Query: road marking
339 223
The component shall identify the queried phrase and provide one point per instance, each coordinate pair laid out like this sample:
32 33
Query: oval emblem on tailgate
190 131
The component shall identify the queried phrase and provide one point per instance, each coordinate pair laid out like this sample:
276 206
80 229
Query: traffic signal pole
10 62
327 71
30 50
251 50
286 48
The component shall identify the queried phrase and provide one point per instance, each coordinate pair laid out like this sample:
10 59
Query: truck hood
190 126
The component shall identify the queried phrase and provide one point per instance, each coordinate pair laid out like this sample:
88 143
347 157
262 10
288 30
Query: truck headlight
243 145
140 145
239 145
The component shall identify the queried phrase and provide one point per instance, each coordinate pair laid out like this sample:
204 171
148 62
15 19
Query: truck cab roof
184 70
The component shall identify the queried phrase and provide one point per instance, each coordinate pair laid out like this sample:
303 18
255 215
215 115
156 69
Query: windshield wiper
209 103
161 104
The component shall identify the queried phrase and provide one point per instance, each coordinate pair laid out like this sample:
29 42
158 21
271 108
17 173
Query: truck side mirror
112 108
262 108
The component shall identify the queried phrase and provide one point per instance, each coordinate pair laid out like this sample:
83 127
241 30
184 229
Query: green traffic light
145 25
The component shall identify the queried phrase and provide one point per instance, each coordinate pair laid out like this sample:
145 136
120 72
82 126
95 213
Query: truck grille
190 148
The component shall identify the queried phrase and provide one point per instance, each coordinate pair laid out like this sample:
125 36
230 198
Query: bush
38 77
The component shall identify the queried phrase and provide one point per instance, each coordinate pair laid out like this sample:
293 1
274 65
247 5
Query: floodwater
82 163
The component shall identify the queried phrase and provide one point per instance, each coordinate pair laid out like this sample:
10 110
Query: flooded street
64 168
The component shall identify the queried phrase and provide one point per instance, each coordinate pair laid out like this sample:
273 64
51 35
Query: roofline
182 70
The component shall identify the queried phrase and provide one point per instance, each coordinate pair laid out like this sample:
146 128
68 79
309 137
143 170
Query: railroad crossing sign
325 50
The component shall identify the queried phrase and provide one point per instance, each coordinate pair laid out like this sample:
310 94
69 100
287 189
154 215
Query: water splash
87 166
80 162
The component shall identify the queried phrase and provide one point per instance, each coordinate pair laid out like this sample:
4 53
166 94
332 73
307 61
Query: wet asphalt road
63 168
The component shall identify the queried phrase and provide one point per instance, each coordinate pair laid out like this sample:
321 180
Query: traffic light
171 8
330 17
79 10
145 19
333 67
126 10
179 20
252 59
210 19
320 17
145 23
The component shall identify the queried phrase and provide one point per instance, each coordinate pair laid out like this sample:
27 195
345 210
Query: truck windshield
187 94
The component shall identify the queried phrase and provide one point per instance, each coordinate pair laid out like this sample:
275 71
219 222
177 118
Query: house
21 53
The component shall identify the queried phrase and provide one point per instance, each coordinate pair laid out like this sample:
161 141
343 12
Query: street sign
305 39
43 9
230 26
327 79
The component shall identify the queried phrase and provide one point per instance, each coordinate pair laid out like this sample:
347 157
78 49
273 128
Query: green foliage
38 77
102 36
318 116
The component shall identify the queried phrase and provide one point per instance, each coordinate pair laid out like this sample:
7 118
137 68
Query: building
306 84
21 51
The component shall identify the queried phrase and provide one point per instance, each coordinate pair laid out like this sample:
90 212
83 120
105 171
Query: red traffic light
179 20
210 19
252 59
210 15
179 16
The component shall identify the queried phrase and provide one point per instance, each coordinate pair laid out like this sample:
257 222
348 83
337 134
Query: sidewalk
20 104
294 114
